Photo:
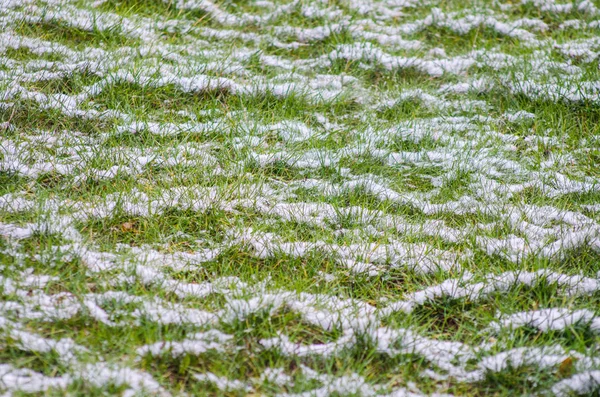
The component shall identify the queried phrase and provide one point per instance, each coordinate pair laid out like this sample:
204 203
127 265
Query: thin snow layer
375 192
25 380
585 383
555 319
99 374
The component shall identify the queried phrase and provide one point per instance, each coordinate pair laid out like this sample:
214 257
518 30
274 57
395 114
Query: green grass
235 197
74 37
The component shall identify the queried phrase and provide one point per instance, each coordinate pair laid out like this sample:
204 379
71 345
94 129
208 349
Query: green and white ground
299 198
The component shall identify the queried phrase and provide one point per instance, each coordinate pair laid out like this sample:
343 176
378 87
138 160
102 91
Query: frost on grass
299 198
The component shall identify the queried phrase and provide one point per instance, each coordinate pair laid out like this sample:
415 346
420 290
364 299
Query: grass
296 200
73 36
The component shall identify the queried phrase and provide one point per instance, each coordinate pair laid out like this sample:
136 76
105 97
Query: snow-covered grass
299 198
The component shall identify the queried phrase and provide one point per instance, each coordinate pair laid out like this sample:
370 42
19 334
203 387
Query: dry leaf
127 226
566 367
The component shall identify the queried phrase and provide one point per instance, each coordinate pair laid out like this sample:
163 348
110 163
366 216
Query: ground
299 198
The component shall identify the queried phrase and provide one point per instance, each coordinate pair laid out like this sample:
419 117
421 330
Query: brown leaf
127 226
566 367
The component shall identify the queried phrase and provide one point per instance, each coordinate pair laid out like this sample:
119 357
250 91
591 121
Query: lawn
299 197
